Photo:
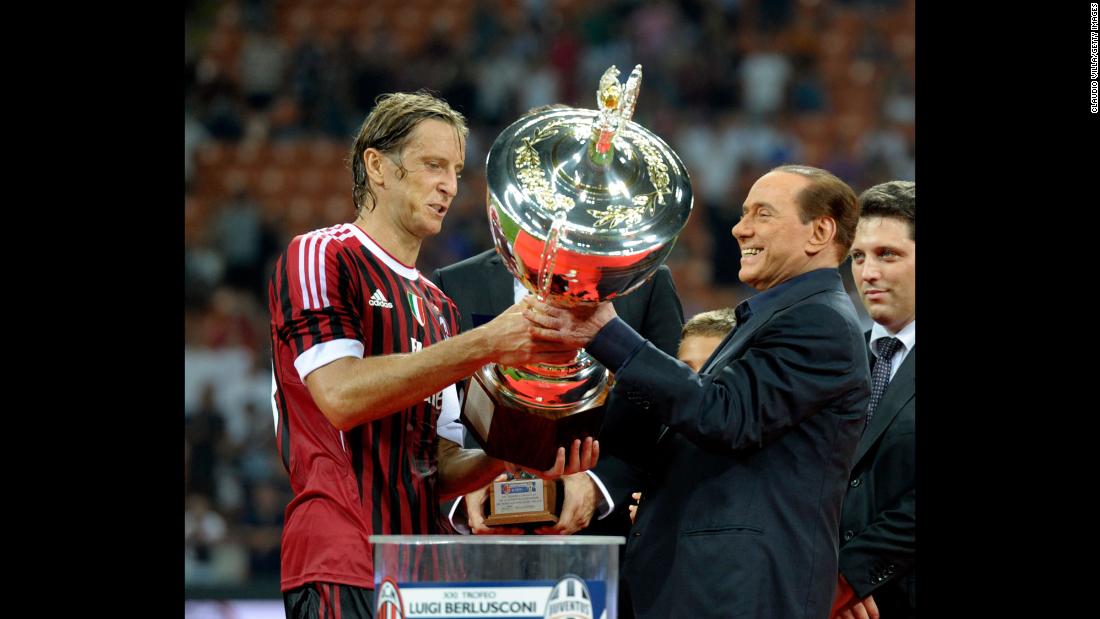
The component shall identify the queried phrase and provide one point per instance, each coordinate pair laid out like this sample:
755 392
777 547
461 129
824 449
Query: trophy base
519 435
525 502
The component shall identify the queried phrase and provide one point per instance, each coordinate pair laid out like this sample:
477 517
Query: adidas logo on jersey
378 300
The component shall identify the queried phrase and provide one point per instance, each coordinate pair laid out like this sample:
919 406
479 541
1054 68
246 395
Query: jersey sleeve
318 302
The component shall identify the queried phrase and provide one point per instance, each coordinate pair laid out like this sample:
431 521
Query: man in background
878 524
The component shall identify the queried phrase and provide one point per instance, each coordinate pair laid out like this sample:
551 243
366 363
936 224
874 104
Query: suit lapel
499 281
735 341
901 389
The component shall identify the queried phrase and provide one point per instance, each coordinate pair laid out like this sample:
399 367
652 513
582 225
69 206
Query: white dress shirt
907 336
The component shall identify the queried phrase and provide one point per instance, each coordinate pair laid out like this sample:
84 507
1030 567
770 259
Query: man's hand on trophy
582 456
574 326
515 342
578 505
476 502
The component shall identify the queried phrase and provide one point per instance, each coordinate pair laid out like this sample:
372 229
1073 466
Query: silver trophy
584 205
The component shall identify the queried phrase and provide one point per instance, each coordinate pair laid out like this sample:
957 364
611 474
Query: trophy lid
620 189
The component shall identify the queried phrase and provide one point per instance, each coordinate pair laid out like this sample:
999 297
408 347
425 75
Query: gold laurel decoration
617 214
529 170
534 182
655 163
622 146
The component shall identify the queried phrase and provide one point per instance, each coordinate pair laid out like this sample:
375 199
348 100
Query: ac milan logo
443 325
389 601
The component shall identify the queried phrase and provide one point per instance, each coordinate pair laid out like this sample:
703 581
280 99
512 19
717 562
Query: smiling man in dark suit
878 523
742 516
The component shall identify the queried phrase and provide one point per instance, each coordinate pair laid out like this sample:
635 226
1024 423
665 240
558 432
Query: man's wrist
615 344
604 503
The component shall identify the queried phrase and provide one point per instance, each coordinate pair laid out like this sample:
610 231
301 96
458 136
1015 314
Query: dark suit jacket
482 285
878 523
742 518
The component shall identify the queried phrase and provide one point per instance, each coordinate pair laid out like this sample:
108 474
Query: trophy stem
551 371
552 389
523 418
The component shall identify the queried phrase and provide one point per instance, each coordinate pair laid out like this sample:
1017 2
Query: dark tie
880 377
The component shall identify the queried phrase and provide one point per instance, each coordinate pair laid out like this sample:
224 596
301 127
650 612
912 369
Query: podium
528 576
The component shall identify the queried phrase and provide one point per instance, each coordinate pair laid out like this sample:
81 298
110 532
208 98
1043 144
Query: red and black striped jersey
335 293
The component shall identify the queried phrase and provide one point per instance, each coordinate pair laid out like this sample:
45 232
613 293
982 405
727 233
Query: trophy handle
630 94
550 254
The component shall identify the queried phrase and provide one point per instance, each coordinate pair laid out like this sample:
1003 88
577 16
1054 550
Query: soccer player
365 354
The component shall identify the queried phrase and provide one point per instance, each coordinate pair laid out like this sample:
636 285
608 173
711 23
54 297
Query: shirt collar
765 298
907 335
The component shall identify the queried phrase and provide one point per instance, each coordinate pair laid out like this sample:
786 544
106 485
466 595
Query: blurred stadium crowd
275 91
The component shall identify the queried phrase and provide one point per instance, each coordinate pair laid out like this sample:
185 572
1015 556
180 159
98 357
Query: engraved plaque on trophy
584 206
524 501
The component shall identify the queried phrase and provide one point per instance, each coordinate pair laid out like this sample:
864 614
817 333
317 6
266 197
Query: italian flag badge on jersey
417 307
